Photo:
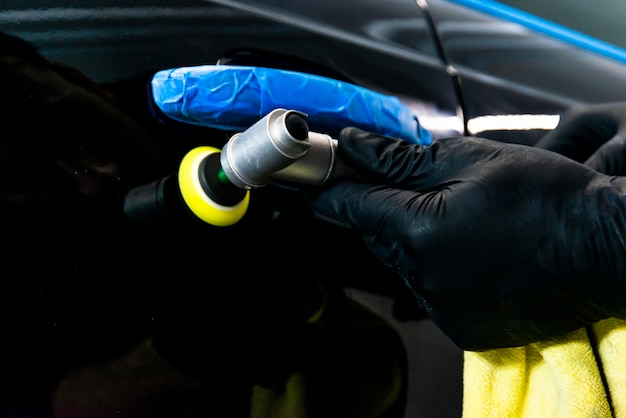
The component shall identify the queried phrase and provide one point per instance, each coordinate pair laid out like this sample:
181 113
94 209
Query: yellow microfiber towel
582 374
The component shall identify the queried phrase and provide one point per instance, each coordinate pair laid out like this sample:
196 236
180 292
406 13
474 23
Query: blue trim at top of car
547 27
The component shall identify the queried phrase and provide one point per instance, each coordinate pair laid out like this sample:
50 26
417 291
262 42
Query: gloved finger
581 131
382 161
380 158
610 158
391 161
386 228
423 189
357 205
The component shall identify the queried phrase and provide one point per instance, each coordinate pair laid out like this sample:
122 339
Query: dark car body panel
508 66
108 42
448 61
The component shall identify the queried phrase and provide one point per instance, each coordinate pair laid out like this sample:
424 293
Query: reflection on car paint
546 27
511 122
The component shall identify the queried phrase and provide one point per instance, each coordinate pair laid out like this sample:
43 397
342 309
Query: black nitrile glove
502 244
594 134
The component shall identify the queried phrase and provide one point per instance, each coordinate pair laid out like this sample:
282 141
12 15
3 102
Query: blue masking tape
235 97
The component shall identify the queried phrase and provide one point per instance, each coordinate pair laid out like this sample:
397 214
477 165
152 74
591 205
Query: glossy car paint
453 62
389 49
512 63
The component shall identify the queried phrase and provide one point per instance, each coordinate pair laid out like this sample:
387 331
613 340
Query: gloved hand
594 134
502 244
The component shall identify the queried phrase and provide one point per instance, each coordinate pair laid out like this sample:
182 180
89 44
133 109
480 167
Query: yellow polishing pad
195 197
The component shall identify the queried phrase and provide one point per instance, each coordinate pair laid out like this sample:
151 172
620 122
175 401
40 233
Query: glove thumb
377 158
